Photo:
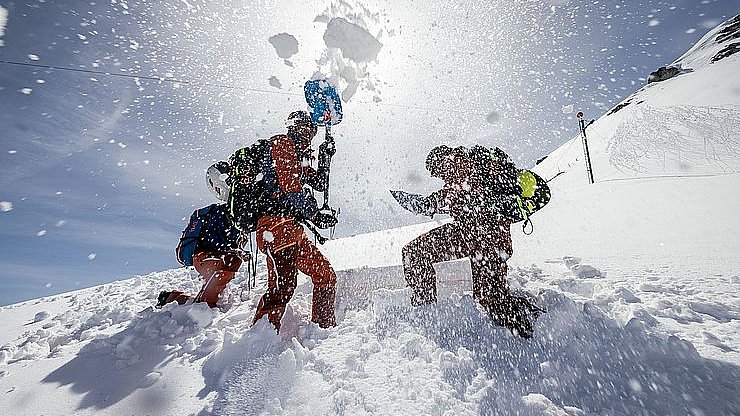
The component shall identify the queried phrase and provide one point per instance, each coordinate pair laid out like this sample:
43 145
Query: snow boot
517 313
162 299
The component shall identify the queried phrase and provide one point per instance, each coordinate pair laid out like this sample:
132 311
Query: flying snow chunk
355 42
710 23
40 233
3 22
493 117
653 22
33 57
274 82
568 109
6 206
91 256
285 45
25 91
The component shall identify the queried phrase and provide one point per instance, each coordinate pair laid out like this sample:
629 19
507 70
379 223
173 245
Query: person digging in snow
478 184
284 206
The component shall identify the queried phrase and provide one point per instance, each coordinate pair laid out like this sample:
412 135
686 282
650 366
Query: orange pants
216 270
288 251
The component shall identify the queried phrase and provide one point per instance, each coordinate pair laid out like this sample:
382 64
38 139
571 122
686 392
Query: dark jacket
219 233
283 172
480 201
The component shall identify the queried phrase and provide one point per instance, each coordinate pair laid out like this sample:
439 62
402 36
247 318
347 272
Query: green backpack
535 195
528 191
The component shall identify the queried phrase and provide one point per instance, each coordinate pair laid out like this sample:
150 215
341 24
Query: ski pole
582 125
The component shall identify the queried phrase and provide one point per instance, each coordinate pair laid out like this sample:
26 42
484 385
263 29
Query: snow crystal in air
91 256
493 117
3 22
40 233
285 45
710 23
653 22
690 30
274 82
25 91
568 109
33 57
355 42
6 206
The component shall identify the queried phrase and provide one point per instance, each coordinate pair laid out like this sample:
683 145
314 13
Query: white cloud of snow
6 206
350 48
355 42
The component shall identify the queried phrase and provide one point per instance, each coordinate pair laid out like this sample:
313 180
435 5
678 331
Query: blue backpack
191 235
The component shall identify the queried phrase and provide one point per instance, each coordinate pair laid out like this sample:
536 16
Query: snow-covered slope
639 273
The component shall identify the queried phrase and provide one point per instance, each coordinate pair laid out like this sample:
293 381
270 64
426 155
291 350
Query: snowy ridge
686 125
708 46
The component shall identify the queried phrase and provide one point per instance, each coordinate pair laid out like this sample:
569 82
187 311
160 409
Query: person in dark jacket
284 206
478 184
217 257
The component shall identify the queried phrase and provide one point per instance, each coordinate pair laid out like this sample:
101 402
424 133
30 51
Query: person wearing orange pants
288 251
216 269
285 204
216 257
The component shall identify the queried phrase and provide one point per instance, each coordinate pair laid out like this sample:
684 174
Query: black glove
328 148
324 220
414 203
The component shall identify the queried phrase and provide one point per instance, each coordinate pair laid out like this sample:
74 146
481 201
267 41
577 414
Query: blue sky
102 171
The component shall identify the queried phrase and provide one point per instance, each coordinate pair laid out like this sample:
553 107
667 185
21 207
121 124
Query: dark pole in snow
583 126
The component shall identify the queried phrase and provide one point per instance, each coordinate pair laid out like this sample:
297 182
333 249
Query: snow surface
639 274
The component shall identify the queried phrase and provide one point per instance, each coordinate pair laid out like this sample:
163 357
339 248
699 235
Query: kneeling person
217 256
